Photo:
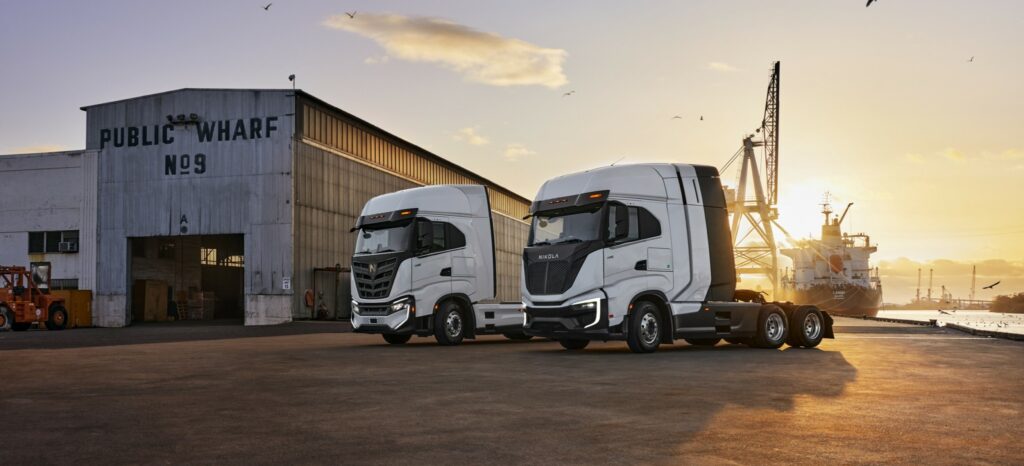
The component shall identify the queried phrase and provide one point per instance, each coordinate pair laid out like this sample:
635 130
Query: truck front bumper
384 318
570 322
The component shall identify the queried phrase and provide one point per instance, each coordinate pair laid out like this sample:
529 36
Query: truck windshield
380 240
561 227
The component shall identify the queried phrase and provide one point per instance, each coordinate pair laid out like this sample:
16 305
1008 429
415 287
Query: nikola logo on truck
547 257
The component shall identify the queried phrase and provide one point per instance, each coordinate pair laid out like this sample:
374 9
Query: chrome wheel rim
774 327
453 324
812 326
649 329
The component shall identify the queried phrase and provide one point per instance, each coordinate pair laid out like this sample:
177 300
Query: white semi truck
424 264
643 253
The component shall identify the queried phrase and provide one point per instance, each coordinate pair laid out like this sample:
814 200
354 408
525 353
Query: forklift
25 300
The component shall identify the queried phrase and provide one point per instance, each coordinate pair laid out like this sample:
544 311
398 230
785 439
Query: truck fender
467 306
660 300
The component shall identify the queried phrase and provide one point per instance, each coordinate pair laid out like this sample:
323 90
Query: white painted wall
49 192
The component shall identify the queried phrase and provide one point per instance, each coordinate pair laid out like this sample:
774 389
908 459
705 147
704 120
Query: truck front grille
375 284
549 277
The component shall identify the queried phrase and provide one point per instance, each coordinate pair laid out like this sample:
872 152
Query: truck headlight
404 304
588 305
355 307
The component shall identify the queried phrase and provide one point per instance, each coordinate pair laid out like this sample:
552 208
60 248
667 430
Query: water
981 320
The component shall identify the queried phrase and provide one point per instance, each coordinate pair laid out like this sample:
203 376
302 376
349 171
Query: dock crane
752 219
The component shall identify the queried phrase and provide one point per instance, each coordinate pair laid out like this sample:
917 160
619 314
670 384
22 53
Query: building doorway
175 278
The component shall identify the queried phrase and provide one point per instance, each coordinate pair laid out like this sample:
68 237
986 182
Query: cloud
720 66
38 149
954 155
479 56
377 60
470 136
514 152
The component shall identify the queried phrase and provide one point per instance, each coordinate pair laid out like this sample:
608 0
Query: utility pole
930 276
917 295
974 279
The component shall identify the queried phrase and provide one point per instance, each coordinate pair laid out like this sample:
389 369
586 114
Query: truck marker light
405 212
596 195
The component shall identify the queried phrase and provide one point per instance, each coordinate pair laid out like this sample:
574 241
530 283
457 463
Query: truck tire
645 328
6 318
518 336
772 330
573 344
395 339
449 324
806 327
58 319
703 341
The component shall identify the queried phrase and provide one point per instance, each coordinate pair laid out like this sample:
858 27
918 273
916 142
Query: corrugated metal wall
342 162
246 188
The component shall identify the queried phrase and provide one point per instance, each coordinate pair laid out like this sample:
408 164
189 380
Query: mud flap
828 326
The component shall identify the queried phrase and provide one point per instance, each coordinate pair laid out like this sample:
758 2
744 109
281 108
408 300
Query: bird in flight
869 3
267 6
567 94
992 285
971 60
351 15
677 117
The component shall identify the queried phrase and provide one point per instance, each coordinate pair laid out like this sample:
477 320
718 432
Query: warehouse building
223 203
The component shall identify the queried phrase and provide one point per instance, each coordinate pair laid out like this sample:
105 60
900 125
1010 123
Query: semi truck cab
424 264
643 253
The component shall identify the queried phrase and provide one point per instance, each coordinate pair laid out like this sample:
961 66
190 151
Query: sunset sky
880 106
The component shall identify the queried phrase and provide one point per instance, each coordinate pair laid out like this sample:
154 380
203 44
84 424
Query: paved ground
305 393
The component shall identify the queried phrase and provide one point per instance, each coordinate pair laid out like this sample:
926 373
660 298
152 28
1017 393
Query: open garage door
187 278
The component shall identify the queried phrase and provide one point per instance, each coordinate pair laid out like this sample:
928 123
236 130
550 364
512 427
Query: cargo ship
834 272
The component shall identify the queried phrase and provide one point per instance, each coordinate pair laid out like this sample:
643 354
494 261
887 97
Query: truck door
432 266
623 257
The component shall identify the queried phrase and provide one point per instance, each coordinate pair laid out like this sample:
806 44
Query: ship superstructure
834 272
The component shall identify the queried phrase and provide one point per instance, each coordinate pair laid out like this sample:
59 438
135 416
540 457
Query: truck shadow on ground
603 404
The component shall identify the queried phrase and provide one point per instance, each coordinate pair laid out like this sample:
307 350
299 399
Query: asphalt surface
307 393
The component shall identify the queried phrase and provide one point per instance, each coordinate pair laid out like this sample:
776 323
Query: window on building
37 242
50 241
207 256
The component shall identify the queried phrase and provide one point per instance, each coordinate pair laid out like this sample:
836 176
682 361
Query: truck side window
439 237
455 237
630 223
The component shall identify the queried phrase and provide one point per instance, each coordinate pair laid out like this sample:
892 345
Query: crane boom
770 132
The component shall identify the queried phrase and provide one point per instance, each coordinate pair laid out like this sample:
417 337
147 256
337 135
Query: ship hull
846 300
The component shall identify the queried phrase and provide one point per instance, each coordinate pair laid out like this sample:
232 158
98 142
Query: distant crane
755 249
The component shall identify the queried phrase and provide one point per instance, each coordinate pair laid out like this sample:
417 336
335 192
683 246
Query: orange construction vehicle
23 303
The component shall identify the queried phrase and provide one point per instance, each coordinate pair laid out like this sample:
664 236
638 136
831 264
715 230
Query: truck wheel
644 328
574 344
806 328
6 318
58 318
703 341
772 330
518 336
449 324
396 339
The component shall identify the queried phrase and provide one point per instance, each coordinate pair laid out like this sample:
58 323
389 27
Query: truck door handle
446 272
641 265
